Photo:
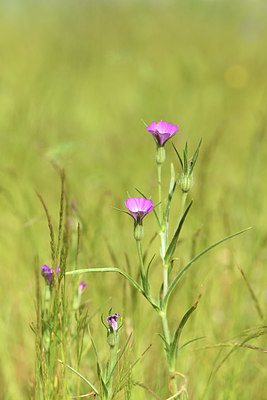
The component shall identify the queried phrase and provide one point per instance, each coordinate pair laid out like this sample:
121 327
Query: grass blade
178 277
81 376
120 356
253 296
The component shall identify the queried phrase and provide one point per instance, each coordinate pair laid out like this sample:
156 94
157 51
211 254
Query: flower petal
162 131
139 205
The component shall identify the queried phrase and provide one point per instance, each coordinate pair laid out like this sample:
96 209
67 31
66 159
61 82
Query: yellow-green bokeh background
77 80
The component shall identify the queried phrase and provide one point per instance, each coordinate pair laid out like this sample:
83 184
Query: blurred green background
77 80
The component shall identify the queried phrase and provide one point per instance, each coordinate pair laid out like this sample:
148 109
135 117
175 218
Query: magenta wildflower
162 131
48 273
112 321
82 287
139 207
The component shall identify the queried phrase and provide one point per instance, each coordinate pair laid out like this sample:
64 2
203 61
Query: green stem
163 246
163 235
183 201
165 280
172 369
165 327
140 255
159 192
111 363
167 337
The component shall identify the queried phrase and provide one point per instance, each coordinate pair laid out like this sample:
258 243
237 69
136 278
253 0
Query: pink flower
48 273
162 131
82 287
139 207
112 321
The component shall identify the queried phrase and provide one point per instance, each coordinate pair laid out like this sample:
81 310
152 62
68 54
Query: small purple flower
82 287
162 131
112 321
48 273
139 207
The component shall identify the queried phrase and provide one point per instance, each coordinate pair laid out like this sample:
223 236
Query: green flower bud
160 155
186 182
112 330
138 232
112 337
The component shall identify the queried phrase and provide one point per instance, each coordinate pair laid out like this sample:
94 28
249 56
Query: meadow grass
77 80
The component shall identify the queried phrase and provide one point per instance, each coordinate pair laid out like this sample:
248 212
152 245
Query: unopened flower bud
82 287
138 232
186 182
112 333
160 155
112 338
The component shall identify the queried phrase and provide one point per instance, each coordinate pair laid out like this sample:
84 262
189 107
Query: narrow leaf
149 245
109 269
128 370
113 269
176 336
178 277
154 210
194 158
170 196
125 212
97 355
167 346
178 155
175 238
190 341
120 356
185 159
81 376
146 282
104 390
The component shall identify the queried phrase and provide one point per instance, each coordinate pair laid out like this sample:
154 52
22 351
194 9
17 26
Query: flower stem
140 255
163 235
111 363
159 192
